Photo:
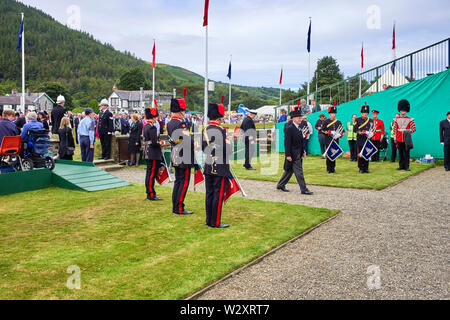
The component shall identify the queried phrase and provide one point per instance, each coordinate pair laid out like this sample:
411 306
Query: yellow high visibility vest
351 135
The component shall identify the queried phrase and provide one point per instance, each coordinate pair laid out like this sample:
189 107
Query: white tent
395 79
267 111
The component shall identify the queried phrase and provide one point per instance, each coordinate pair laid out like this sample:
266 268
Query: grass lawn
127 248
382 175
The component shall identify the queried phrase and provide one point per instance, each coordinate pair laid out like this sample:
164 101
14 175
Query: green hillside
88 68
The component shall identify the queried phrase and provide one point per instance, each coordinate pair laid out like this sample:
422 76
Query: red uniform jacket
379 130
402 124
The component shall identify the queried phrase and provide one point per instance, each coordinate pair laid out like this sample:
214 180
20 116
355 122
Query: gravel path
402 231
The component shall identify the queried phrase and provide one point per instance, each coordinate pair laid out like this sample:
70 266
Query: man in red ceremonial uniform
378 135
404 127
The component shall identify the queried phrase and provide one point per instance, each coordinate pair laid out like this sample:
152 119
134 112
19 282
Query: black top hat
216 111
333 109
151 113
404 105
178 105
365 108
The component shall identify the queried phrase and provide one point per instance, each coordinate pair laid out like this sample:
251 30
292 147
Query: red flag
162 176
362 57
205 17
393 41
154 55
232 189
198 176
281 77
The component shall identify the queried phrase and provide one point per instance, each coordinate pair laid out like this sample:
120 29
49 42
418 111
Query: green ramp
84 176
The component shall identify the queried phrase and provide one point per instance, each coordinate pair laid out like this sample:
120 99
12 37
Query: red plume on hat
333 109
365 108
184 93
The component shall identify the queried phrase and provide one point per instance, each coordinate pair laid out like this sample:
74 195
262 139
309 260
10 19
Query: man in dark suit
105 129
248 128
57 114
444 132
294 150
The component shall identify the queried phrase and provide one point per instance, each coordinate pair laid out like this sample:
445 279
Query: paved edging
257 260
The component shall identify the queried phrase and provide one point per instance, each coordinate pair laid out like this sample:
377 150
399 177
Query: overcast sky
261 35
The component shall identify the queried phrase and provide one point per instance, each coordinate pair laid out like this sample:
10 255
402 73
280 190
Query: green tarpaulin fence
430 102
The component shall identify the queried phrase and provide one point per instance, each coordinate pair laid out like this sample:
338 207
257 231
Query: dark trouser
306 145
447 155
295 168
215 193
249 152
180 189
353 150
394 150
150 177
76 135
403 155
322 143
363 164
87 154
105 140
376 156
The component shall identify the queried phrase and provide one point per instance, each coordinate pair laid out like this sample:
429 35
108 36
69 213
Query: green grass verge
383 174
131 249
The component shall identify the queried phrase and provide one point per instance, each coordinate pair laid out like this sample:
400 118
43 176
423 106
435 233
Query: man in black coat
248 128
217 149
294 152
105 129
154 156
364 131
444 132
182 155
57 114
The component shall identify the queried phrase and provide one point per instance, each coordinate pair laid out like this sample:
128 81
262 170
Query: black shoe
328 172
283 189
223 226
399 169
447 169
367 171
101 158
250 169
184 213
155 198
361 171
307 193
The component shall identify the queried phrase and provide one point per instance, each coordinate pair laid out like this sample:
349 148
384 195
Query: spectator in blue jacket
32 124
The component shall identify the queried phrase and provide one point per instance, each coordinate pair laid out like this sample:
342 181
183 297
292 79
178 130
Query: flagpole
309 67
153 100
205 116
22 104
281 83
362 68
229 102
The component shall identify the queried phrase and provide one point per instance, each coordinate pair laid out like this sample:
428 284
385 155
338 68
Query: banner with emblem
368 150
334 151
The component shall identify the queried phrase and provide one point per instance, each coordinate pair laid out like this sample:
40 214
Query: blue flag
309 37
368 151
393 67
19 39
229 72
334 151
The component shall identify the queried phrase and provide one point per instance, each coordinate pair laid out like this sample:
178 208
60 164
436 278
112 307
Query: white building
137 101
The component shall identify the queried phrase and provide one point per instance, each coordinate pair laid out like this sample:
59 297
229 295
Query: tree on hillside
328 72
134 80
54 89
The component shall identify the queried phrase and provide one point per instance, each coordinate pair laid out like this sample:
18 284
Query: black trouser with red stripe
215 193
331 165
180 188
376 156
150 177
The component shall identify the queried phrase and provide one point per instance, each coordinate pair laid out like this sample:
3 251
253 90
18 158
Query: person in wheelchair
32 124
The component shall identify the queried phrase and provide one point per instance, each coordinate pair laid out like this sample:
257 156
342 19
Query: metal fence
414 66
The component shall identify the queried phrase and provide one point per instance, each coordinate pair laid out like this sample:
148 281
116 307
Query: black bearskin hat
404 105
216 111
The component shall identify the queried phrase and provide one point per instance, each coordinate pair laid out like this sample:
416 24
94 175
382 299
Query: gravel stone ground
402 231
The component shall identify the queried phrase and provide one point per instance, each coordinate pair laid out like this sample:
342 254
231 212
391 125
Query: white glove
369 135
336 136
442 143
333 133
